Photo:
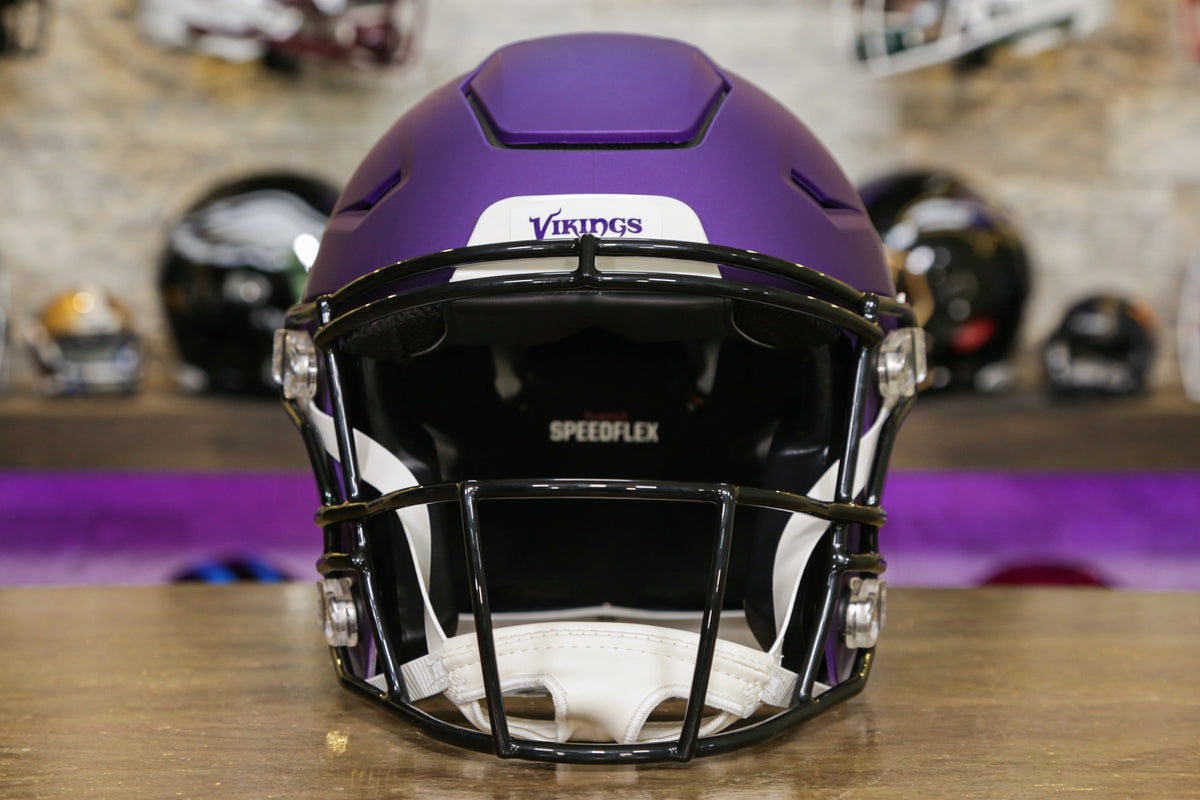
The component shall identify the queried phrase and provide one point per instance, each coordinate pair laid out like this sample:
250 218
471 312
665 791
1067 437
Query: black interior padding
540 319
399 336
543 318
780 328
735 391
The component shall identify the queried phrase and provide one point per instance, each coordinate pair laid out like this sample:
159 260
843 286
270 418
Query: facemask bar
332 316
685 747
369 298
725 497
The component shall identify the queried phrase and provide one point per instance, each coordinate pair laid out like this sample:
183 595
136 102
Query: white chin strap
605 679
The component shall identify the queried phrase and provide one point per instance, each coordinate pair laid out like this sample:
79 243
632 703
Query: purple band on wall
1135 530
136 528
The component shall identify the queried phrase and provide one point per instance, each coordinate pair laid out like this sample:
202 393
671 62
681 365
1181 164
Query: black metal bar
484 637
586 273
581 753
891 307
447 259
883 451
392 501
587 489
383 645
610 488
816 650
858 409
845 493
871 562
657 283
649 248
732 740
833 512
728 498
347 456
318 459
855 312
363 292
733 257
332 563
848 465
709 625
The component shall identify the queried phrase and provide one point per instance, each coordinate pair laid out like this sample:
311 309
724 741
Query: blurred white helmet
891 36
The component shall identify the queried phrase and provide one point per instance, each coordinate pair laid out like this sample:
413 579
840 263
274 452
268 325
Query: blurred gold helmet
84 342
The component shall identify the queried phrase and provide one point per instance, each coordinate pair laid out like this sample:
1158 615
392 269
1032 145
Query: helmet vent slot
371 198
818 195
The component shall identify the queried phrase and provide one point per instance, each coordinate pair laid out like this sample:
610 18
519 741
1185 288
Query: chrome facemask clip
339 615
294 364
901 364
865 613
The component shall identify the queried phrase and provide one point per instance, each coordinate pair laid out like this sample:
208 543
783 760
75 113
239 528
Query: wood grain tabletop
202 691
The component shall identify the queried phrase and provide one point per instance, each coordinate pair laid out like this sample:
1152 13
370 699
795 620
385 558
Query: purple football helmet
600 351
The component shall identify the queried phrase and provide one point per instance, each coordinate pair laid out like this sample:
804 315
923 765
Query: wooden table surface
200 691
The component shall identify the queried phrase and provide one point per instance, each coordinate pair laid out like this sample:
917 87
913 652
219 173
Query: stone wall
1094 149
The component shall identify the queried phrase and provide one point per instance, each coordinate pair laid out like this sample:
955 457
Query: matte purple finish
738 178
634 94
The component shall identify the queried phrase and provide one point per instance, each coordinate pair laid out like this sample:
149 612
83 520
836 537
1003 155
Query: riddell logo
554 225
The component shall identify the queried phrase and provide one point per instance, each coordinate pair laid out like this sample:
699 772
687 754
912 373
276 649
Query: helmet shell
723 372
601 114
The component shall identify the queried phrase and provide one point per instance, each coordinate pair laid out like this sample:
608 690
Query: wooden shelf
1032 432
180 432
147 432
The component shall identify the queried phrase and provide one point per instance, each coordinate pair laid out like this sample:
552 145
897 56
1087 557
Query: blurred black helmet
233 263
23 27
963 266
1104 346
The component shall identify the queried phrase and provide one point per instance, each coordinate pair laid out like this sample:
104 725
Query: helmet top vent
660 93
